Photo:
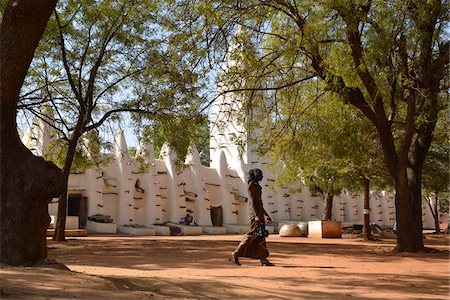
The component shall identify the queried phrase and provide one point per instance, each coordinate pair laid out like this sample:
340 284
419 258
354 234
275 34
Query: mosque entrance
77 206
216 216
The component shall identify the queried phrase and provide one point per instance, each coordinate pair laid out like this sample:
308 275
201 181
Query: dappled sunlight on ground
197 267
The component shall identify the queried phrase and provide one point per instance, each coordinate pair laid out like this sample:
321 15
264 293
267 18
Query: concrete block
139 231
190 230
324 229
233 228
101 227
71 222
270 229
214 230
160 230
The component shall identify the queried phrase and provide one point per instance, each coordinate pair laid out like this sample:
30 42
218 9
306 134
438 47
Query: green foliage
132 151
375 55
435 178
100 58
328 146
444 202
180 133
87 154
3 4
436 169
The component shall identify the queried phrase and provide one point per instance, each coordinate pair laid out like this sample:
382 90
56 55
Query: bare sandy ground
197 267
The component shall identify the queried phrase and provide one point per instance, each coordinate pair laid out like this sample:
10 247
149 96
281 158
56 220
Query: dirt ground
197 267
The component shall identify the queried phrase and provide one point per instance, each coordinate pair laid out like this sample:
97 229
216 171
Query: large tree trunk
328 206
367 230
404 153
28 183
408 201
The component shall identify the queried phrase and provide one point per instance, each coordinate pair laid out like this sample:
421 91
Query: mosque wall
137 197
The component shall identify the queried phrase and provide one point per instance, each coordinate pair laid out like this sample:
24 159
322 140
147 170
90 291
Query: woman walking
252 246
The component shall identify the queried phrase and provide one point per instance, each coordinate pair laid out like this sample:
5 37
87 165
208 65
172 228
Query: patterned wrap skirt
252 246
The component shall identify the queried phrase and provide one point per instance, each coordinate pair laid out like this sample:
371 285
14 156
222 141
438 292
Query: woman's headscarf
255 175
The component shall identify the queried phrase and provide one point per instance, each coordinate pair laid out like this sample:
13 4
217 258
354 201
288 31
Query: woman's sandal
234 259
267 263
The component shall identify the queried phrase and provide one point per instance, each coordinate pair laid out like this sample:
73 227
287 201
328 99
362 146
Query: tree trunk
60 227
328 205
28 183
408 201
436 213
367 231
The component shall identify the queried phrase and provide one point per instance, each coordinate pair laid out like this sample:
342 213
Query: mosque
139 201
216 195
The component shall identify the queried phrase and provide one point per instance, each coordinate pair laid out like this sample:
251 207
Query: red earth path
197 267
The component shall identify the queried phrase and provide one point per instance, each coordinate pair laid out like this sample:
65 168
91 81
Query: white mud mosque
215 195
139 201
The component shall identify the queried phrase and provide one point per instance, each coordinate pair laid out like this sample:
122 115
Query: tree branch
60 117
436 72
265 33
25 96
113 111
117 82
83 57
93 73
292 13
410 127
45 119
64 59
28 105
275 88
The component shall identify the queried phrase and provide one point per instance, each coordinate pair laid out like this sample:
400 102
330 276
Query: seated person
188 220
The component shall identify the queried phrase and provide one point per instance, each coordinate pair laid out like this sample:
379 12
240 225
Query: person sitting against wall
188 220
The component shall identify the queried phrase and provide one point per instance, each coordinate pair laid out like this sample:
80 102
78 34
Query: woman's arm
268 217
255 194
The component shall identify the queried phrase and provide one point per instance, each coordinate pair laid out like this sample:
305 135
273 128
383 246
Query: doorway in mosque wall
77 206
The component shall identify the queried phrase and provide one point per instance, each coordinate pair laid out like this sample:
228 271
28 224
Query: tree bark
28 183
328 205
404 155
408 195
436 214
434 208
367 231
60 227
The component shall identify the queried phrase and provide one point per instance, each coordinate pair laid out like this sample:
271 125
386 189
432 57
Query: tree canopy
385 58
98 59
